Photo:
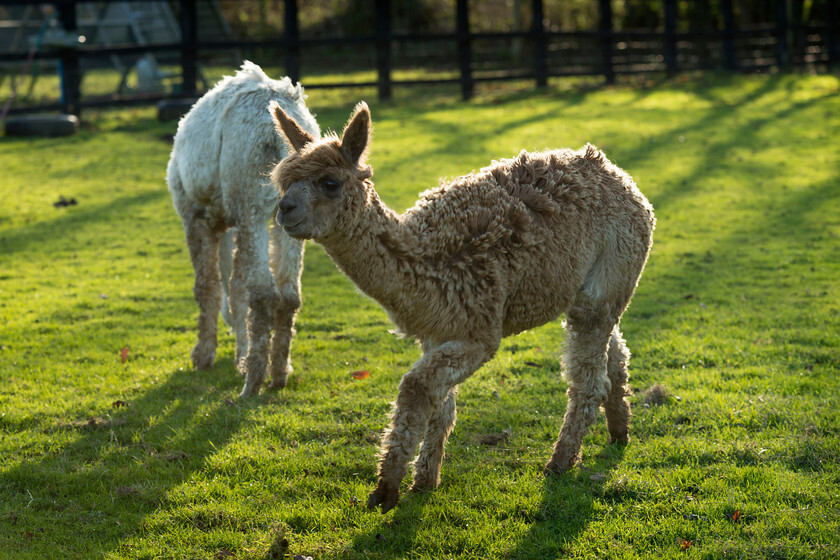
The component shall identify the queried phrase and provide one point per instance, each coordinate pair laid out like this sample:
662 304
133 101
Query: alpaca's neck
370 255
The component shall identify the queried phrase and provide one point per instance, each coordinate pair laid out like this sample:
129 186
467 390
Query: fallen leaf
119 404
126 491
657 395
495 439
93 423
736 517
64 202
685 545
177 456
124 354
361 374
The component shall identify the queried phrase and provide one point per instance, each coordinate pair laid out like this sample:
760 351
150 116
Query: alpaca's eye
330 185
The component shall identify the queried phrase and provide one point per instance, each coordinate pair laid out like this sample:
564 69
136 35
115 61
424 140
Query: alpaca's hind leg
236 314
616 406
428 462
251 262
422 390
286 263
586 372
203 245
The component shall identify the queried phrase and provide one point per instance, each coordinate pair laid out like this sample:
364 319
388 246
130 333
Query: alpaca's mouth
283 220
293 229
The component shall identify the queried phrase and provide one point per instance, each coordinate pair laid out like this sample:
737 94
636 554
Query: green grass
737 317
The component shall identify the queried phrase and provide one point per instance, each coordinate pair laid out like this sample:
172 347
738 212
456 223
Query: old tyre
42 125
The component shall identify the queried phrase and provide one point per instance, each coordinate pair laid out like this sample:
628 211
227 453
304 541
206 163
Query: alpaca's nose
286 205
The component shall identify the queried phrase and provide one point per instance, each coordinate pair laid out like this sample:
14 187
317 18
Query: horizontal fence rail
604 51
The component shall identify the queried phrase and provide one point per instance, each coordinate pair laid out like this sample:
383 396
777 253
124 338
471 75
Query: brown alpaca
488 255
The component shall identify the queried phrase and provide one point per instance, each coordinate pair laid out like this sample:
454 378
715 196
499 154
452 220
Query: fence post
833 42
189 53
782 28
462 24
671 36
730 61
69 62
538 31
383 48
605 27
292 37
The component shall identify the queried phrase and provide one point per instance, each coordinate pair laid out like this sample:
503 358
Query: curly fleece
488 255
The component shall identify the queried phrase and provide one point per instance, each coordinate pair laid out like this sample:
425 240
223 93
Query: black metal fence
782 42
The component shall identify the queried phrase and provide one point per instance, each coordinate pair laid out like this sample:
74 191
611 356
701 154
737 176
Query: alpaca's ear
354 140
288 128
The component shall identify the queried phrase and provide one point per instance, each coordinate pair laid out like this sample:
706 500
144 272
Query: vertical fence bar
292 33
69 62
782 34
833 40
730 61
671 36
538 32
462 24
383 48
605 27
189 53
798 37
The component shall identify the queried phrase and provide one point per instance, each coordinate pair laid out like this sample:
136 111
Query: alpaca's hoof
202 360
385 495
423 482
279 377
277 383
248 392
561 463
252 387
619 439
552 468
420 488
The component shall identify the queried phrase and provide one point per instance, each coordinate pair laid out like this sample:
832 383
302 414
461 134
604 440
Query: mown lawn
736 319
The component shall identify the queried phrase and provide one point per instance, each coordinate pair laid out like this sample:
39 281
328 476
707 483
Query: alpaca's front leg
422 391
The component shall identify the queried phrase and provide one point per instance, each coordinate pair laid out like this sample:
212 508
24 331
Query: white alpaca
488 255
218 176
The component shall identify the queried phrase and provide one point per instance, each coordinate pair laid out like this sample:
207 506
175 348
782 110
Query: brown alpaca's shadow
566 507
564 512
